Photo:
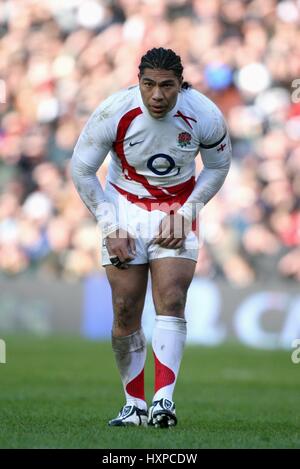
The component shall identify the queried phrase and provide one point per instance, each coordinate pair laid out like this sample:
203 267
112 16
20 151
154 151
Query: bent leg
128 296
171 278
128 340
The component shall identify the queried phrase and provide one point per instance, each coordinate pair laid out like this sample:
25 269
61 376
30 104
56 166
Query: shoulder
116 104
200 104
211 121
105 118
102 124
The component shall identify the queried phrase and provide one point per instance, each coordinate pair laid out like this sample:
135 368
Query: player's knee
124 306
127 310
173 302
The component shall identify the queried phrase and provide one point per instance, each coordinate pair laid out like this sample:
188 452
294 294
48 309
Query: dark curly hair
165 59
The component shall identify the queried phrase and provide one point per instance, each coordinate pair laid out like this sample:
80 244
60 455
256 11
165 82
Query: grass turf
60 393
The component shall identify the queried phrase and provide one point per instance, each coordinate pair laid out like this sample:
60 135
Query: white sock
130 353
168 342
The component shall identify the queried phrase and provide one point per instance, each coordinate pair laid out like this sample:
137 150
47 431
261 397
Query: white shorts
143 226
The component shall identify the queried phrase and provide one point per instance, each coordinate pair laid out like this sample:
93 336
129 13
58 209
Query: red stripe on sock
163 374
136 387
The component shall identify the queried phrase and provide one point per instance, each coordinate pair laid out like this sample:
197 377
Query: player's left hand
172 233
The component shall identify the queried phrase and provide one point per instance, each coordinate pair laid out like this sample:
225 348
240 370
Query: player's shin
168 342
130 353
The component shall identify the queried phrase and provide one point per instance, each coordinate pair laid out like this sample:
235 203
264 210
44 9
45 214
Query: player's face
159 90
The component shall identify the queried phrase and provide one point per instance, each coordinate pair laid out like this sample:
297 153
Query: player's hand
173 230
120 244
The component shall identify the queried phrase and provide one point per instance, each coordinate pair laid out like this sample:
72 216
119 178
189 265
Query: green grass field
60 393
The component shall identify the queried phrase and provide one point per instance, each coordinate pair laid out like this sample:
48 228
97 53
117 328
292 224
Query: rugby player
153 132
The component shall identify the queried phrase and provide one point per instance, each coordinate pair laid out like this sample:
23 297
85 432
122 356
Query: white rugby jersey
153 158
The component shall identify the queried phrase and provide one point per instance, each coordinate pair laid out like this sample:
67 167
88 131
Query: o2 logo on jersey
156 162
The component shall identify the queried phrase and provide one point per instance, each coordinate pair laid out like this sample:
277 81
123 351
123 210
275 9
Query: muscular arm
91 193
216 158
89 153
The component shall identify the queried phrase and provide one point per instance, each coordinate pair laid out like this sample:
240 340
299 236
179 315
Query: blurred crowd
59 59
